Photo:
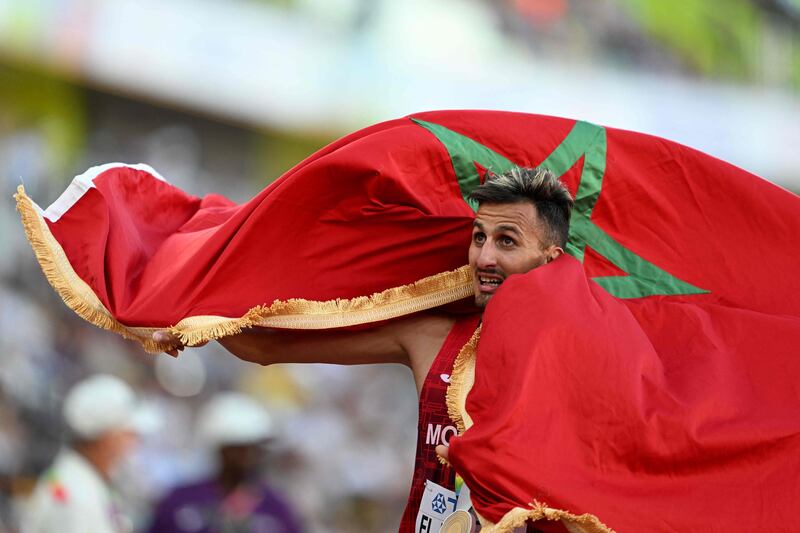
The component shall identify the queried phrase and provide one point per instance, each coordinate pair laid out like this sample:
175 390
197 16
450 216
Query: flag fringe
297 313
462 378
75 293
517 517
426 293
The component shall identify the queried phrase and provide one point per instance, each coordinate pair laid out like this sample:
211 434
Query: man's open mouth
489 283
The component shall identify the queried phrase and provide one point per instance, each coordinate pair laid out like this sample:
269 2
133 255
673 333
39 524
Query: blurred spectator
235 499
73 495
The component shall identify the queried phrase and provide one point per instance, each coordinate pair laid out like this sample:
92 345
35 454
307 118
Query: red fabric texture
382 207
658 413
375 210
653 415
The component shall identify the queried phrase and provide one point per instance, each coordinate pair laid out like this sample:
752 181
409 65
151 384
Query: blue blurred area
224 96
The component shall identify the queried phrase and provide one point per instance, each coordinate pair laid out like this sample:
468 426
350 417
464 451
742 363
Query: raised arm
412 341
266 346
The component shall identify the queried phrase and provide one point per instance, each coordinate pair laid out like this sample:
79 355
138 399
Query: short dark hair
538 186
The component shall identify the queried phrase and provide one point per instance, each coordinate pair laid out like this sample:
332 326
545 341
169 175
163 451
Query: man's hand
444 452
165 336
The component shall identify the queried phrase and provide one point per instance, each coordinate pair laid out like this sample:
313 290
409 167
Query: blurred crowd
344 438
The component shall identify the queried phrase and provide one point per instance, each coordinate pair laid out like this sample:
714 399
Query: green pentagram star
588 141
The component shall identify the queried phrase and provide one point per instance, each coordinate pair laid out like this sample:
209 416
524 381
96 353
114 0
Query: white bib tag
436 505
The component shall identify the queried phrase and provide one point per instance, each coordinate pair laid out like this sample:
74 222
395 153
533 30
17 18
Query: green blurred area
55 109
729 39
275 153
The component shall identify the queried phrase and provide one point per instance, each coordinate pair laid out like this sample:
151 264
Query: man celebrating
522 223
664 357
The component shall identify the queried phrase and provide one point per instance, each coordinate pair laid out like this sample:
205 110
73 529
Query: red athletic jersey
435 426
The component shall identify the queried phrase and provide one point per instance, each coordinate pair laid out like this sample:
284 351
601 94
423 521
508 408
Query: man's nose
487 258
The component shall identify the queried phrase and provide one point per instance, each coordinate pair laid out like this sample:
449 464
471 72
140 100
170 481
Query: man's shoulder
425 334
426 330
441 324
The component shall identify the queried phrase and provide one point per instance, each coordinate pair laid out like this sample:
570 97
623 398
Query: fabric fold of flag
647 381
609 416
369 228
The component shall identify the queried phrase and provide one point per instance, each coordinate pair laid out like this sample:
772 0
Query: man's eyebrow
477 224
509 228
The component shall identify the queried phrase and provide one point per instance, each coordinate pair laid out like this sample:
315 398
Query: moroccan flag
371 227
645 382
651 414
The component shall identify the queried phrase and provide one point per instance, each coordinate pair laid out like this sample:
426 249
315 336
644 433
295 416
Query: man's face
506 239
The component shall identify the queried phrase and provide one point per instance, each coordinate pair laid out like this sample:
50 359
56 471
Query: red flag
662 395
657 396
372 227
348 236
630 415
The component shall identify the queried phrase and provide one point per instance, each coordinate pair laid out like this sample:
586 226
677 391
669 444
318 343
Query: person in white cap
235 499
103 419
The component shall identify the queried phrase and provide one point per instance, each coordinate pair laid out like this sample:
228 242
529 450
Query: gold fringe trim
77 295
585 523
462 378
427 293
297 313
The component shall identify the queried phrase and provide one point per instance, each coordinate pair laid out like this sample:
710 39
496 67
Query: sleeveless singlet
435 426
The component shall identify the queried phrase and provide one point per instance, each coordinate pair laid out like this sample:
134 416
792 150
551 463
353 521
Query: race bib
437 504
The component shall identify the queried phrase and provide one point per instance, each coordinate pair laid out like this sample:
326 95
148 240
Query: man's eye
479 238
506 241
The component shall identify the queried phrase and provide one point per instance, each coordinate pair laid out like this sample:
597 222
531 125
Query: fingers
174 342
443 452
167 337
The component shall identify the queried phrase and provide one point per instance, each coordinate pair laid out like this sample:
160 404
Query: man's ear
553 252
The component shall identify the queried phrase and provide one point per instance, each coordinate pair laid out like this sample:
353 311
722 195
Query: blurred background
226 95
